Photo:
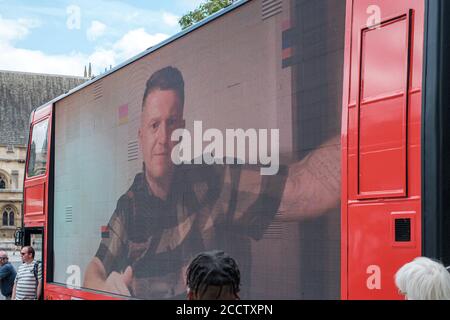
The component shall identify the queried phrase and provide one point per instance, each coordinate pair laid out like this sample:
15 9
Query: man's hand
97 279
119 283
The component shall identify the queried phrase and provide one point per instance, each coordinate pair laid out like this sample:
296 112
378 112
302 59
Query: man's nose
164 134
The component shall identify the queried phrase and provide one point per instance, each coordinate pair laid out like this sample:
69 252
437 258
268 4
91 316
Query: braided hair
213 268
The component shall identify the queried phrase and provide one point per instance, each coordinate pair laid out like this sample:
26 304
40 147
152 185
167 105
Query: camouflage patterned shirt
204 210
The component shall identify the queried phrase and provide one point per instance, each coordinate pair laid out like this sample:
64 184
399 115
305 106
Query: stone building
20 93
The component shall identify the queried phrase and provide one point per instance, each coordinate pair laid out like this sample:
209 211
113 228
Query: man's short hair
423 279
168 78
213 268
30 249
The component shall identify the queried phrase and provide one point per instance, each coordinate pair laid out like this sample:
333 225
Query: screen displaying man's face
161 115
250 88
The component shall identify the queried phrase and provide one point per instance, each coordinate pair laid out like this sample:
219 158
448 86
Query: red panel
36 189
382 148
385 75
381 145
42 113
382 106
34 204
59 292
371 245
362 13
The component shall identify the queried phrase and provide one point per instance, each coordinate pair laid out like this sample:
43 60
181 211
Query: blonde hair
423 279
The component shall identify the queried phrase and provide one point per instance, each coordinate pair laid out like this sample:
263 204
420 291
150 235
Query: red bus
307 139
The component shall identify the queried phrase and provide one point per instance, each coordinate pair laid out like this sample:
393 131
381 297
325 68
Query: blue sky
61 37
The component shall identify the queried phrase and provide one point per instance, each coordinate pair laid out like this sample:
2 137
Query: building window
11 219
8 217
37 161
2 182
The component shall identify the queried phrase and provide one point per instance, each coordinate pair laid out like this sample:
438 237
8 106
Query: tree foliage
204 10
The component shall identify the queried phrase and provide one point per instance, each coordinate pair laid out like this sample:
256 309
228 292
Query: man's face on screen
161 115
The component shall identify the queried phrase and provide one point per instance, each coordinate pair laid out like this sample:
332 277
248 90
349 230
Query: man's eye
154 125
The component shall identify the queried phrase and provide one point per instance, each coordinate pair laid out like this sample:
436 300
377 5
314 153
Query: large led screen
227 138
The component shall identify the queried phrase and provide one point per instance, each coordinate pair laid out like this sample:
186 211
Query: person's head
423 279
3 257
213 275
27 254
162 113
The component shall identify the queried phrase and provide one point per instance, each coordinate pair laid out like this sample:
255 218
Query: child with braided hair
213 275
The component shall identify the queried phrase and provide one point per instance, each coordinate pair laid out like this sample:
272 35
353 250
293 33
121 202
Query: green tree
204 10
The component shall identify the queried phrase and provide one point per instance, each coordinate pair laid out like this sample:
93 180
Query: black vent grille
403 230
98 90
270 8
133 150
69 213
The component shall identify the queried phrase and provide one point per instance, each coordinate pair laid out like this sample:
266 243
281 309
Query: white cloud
101 59
19 59
131 44
11 30
170 19
136 41
121 15
96 30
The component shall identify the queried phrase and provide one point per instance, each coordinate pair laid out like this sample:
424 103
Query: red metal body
36 188
381 167
59 292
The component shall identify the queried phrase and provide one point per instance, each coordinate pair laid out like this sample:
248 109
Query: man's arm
13 296
100 274
39 289
312 187
39 280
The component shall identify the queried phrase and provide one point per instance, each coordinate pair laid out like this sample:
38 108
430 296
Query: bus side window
37 161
